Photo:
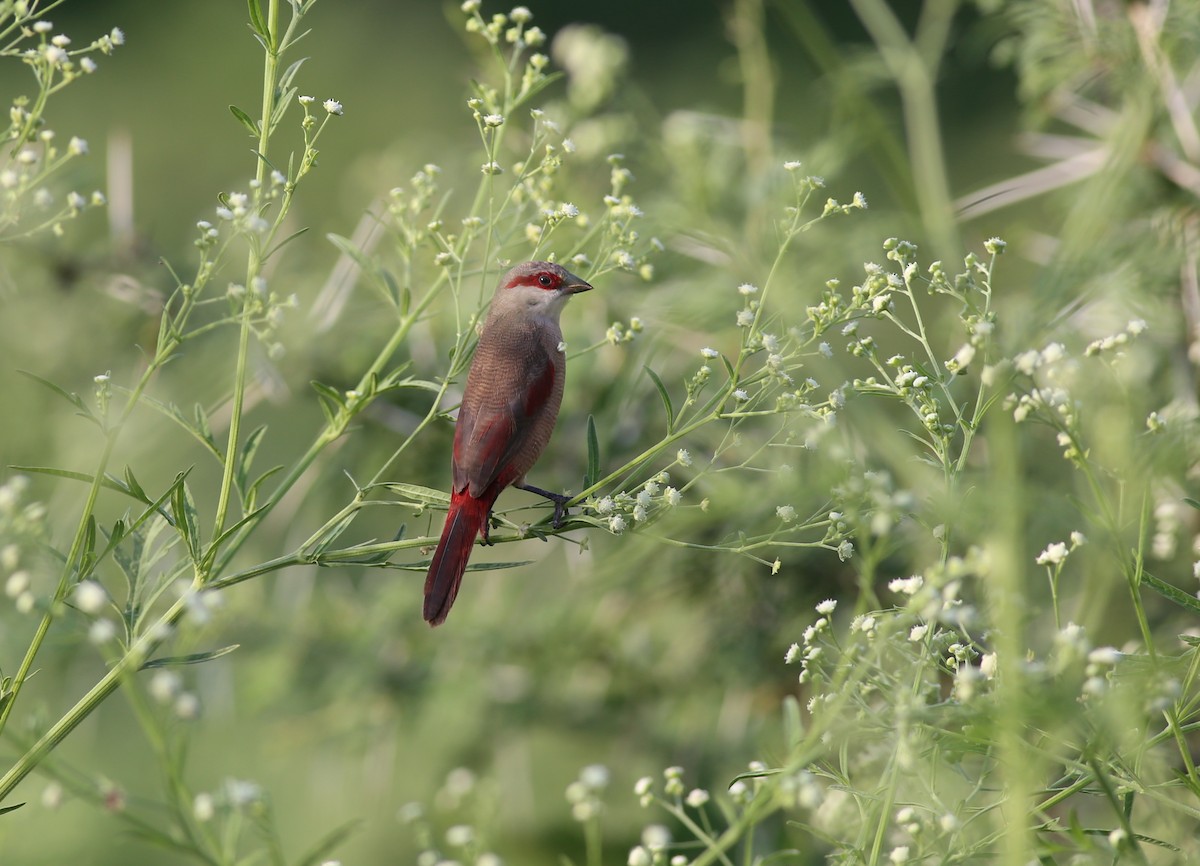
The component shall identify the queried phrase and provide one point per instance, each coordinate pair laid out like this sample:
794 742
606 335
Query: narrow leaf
257 22
4 810
184 508
244 118
329 843
666 398
246 456
107 481
1171 593
252 493
415 492
134 487
190 659
593 454
69 396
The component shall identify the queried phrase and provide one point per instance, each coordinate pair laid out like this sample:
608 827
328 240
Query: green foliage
994 502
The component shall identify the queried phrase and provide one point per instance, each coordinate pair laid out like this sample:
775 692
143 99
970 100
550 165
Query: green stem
129 663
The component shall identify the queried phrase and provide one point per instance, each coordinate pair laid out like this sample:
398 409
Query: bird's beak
574 285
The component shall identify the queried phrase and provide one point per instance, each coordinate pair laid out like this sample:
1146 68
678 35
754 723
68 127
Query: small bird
508 411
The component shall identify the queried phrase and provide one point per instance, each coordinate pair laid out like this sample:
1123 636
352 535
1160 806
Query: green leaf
285 80
666 398
244 118
252 493
257 22
415 492
134 487
189 659
184 509
228 533
70 396
203 427
246 456
1192 502
283 242
368 267
537 88
89 545
593 454
108 481
326 846
1171 593
4 810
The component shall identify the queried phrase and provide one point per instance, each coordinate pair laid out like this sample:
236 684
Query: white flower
521 15
187 706
745 318
792 165
747 289
987 665
1105 655
683 457
672 496
1078 539
459 835
90 597
102 631
307 100
43 26
17 584
594 776
697 797
616 524
906 585
117 35
639 856
827 607
164 686
606 505
899 854
203 807
88 65
493 120
826 350
786 513
1136 326
918 632
643 785
332 106
1054 554
792 654
709 353
52 795
77 146
740 395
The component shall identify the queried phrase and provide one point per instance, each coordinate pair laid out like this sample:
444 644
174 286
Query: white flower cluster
655 495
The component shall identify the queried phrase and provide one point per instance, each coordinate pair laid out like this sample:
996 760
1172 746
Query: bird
509 407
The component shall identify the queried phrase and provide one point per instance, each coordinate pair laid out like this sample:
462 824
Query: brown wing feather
494 423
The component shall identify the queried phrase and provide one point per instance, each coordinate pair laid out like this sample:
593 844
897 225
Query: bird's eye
545 280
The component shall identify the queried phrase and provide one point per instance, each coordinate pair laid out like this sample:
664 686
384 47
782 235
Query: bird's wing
492 430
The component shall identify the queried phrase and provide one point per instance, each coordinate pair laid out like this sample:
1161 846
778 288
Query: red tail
464 520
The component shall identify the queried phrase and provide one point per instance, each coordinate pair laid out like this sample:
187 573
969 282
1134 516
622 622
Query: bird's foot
560 502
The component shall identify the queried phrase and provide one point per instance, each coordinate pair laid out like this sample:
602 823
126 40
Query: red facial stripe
540 280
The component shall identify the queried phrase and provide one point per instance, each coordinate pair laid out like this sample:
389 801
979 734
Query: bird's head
540 288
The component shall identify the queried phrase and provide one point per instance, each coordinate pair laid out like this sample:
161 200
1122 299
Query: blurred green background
340 703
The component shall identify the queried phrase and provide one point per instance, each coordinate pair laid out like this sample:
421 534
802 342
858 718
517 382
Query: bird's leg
560 501
486 528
